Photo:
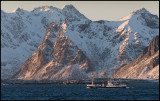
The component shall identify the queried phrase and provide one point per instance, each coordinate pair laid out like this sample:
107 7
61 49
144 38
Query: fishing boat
108 84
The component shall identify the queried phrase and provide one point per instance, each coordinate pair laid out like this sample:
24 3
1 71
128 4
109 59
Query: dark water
137 91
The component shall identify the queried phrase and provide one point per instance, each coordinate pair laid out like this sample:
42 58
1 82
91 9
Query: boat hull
106 86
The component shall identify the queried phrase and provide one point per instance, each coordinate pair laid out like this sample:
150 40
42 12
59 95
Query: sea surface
136 91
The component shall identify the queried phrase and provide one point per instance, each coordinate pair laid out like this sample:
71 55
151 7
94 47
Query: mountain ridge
100 41
146 66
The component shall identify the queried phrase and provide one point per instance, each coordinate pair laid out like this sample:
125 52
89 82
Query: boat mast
92 81
92 77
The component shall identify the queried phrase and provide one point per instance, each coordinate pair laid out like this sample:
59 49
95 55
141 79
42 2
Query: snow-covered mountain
56 58
104 44
22 32
146 66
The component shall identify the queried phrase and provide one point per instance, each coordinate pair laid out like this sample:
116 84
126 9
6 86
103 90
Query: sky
94 10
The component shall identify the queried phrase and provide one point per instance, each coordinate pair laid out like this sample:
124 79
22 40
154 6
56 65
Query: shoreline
24 82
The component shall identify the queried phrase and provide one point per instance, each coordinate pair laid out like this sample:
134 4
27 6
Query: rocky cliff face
100 45
152 48
145 66
23 31
57 58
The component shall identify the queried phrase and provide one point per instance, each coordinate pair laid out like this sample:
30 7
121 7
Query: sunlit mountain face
63 44
146 66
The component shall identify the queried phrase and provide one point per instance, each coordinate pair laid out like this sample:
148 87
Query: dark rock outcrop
152 48
147 61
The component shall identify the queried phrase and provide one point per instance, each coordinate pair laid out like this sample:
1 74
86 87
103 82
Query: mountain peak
44 8
139 12
142 10
17 10
71 12
68 7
